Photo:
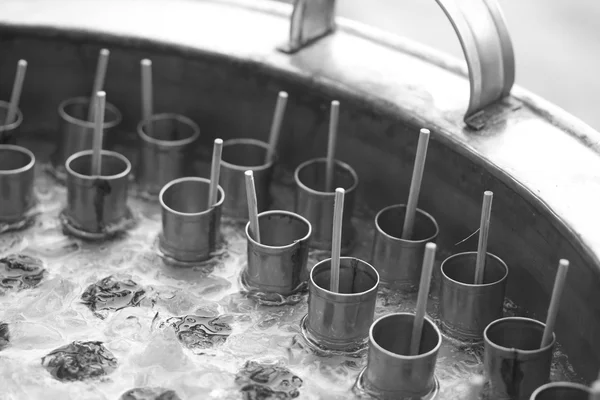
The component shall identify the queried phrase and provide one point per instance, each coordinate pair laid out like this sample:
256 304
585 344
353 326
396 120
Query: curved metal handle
480 27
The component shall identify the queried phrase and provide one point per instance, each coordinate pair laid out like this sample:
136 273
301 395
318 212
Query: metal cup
341 321
9 132
514 363
16 183
97 206
467 309
316 205
163 154
399 261
561 391
190 230
240 155
76 133
277 264
390 371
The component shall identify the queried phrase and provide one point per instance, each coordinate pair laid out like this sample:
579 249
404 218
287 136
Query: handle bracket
311 20
481 30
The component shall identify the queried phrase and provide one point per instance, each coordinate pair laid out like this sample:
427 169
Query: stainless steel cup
341 321
190 230
16 183
390 371
240 155
9 132
316 205
398 261
467 309
76 133
164 153
277 264
561 391
514 363
97 206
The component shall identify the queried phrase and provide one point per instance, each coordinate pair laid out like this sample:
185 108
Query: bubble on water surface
200 332
149 393
79 360
4 335
19 271
111 294
266 381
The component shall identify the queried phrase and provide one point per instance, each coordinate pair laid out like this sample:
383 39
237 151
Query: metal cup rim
472 285
12 125
88 124
342 164
552 385
287 246
506 349
435 349
344 295
400 240
104 153
249 142
20 149
169 143
189 179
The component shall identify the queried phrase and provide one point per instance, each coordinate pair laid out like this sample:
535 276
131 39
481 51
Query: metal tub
217 59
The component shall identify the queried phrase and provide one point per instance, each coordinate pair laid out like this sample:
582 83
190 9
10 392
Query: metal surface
164 155
278 263
341 321
97 205
9 133
561 391
544 200
16 183
467 309
483 36
398 261
239 156
76 134
514 363
190 231
316 205
393 374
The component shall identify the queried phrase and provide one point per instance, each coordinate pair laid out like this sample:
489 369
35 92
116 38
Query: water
111 320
